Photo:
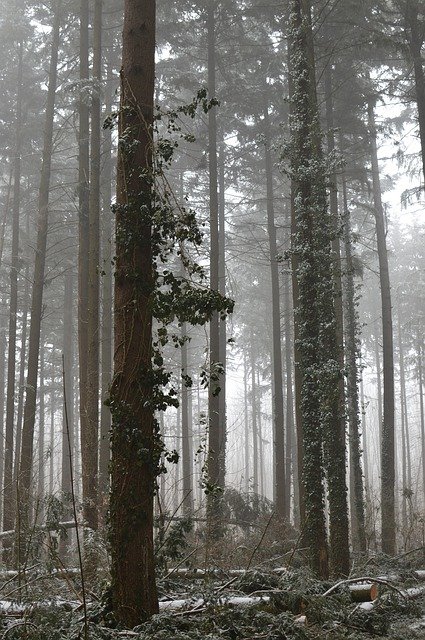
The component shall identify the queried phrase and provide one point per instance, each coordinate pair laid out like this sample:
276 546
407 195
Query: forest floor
278 603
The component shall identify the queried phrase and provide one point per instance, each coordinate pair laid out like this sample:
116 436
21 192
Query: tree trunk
254 420
353 409
317 335
22 367
68 355
8 488
2 407
222 321
27 450
91 440
388 439
215 431
88 477
41 430
279 492
422 412
246 422
291 467
107 302
186 435
133 468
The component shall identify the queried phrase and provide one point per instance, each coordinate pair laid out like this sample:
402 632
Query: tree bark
215 430
88 474
422 411
27 450
353 409
388 437
186 435
277 380
91 444
133 466
8 488
107 301
317 337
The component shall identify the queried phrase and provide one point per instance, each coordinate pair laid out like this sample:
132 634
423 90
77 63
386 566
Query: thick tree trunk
277 378
133 468
27 450
388 438
317 336
9 492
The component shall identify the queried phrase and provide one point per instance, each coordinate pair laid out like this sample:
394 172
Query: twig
180 563
74 506
227 584
260 541
20 624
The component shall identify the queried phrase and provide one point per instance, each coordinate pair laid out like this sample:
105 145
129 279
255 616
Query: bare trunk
388 438
88 476
107 303
414 28
27 450
215 431
91 439
277 380
353 409
186 435
8 488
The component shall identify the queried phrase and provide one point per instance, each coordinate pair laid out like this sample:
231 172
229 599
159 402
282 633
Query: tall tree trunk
246 422
22 366
277 379
91 443
186 435
379 394
291 470
41 432
27 450
407 493
134 595
8 488
353 409
422 411
68 356
107 300
317 335
365 445
2 407
388 438
254 402
222 321
88 477
215 431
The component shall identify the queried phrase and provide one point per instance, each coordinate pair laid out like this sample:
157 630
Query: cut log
364 592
